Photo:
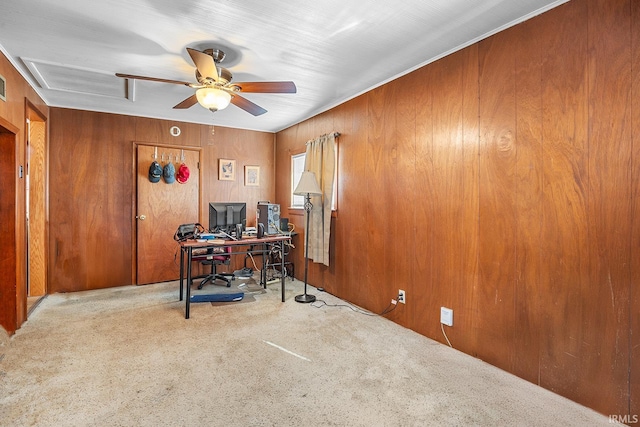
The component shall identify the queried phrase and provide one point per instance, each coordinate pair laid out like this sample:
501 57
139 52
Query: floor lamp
306 187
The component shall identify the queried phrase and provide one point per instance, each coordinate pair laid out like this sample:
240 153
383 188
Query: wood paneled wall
13 117
92 191
502 182
634 289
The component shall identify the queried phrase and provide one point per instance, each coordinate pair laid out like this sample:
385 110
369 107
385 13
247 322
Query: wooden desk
262 245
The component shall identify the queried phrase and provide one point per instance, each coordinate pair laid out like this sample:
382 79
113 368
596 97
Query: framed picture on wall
252 176
226 170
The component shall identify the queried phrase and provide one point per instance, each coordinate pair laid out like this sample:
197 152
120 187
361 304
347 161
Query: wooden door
161 208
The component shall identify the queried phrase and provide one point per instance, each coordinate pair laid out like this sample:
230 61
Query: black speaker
269 215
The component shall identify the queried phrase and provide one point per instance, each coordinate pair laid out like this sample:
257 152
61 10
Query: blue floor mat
217 297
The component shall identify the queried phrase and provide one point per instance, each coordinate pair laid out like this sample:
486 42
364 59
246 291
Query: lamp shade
307 185
213 99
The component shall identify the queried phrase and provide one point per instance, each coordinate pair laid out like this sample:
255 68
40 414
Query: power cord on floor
445 335
253 261
356 309
389 309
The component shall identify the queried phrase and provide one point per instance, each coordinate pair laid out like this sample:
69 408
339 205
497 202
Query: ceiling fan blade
189 102
247 105
204 63
152 79
266 87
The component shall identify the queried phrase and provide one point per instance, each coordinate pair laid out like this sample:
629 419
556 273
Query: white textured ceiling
333 50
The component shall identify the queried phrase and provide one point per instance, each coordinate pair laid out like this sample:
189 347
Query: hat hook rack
155 153
182 155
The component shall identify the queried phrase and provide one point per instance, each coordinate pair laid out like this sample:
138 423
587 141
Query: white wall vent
3 88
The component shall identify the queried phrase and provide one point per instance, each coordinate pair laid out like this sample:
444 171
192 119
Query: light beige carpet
127 357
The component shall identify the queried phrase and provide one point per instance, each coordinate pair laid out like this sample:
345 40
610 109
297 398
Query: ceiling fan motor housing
224 75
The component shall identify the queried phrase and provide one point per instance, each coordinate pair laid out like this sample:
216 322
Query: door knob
141 217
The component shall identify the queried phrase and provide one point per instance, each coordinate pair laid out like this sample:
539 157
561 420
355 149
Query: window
297 167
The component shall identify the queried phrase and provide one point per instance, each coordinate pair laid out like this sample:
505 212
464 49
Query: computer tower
269 215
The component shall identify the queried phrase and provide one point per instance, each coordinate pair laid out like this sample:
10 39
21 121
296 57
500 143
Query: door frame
33 114
134 195
13 301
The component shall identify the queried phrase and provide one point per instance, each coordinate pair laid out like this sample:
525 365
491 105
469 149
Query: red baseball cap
182 175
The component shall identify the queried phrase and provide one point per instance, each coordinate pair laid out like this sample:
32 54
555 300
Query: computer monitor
223 216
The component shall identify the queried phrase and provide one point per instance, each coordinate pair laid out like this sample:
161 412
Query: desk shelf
276 267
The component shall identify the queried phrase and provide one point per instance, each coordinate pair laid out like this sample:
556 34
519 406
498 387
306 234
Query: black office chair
215 259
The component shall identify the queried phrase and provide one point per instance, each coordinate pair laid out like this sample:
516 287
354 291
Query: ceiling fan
214 89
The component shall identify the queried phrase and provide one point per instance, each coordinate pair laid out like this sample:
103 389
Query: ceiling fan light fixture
213 99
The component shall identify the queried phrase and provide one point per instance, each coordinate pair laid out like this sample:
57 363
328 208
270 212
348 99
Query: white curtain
320 159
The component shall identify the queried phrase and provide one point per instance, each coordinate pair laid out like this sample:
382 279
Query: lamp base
305 298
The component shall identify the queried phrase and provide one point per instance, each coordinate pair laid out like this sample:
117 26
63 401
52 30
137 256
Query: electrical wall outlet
446 316
402 297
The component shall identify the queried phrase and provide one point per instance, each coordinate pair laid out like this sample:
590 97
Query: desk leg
181 271
263 272
283 276
188 298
